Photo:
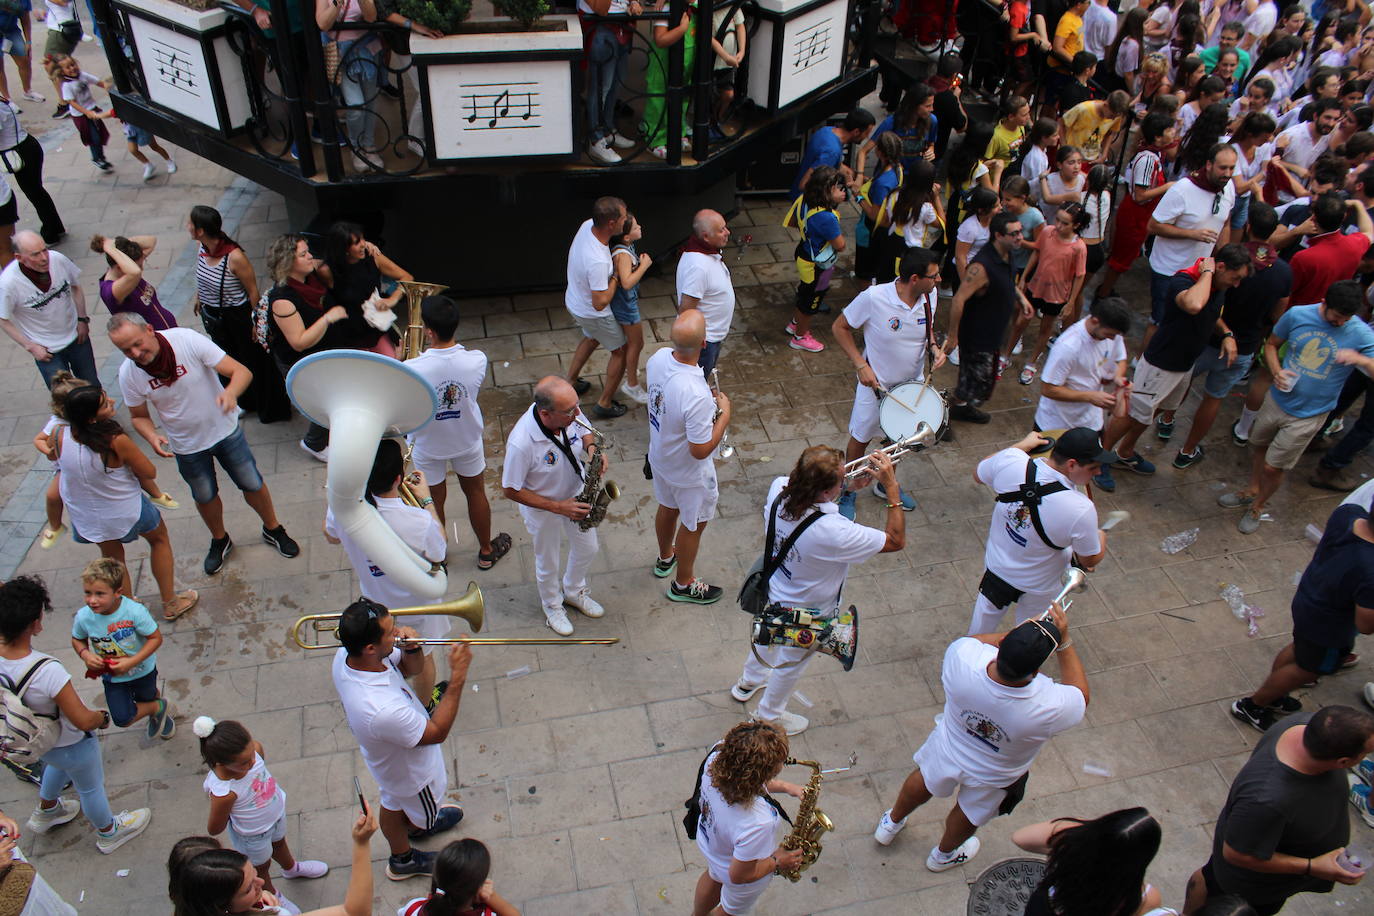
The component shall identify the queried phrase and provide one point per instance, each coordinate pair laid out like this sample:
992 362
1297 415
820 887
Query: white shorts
1154 389
695 505
429 626
738 899
436 469
941 775
422 808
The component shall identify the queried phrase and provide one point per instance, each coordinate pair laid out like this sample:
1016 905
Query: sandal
50 536
179 605
500 546
164 501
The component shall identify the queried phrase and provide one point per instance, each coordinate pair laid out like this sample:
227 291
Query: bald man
43 309
543 473
703 282
684 430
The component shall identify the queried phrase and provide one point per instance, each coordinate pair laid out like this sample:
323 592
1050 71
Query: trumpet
725 449
413 342
1075 579
923 436
468 607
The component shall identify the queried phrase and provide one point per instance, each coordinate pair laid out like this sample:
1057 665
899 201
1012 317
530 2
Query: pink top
1057 265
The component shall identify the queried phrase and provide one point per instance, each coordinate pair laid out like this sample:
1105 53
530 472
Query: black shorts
1216 890
1096 258
9 211
723 77
1317 658
1048 309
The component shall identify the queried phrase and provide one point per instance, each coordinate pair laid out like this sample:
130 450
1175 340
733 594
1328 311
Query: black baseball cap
1082 445
1025 649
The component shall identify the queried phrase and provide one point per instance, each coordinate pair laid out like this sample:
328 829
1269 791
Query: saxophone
595 492
809 825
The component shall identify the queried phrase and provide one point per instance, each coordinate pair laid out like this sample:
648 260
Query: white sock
1246 422
940 855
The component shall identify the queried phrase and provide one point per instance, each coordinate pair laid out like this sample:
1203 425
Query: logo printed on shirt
983 729
450 393
655 404
156 383
550 458
375 571
50 295
894 323
1017 521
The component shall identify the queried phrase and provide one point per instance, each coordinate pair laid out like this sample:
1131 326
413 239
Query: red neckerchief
42 280
311 290
164 365
222 248
696 243
1199 179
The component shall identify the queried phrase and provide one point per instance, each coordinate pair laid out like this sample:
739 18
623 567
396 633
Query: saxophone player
684 430
544 473
738 825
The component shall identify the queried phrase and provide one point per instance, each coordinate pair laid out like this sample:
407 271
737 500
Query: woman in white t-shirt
1251 141
738 828
974 233
1096 867
48 691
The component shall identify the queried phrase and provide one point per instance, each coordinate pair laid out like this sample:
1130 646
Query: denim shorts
148 519
625 307
258 846
1240 213
122 696
1159 295
138 136
233 454
1220 378
12 41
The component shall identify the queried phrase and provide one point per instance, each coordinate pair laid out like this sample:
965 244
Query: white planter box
799 47
498 94
187 64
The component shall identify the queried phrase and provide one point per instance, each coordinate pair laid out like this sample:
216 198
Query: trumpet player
544 473
400 743
453 440
895 319
419 527
684 432
813 573
1040 523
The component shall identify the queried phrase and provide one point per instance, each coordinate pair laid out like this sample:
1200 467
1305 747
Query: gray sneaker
1234 500
1249 522
127 825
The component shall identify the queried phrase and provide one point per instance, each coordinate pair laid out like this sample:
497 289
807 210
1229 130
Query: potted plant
446 16
526 12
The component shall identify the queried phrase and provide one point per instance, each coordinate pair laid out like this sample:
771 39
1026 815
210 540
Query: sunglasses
1216 204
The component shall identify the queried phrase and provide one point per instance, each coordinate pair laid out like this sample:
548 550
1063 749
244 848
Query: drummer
895 319
1087 360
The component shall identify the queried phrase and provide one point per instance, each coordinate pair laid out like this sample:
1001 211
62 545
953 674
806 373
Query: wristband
83 320
426 502
1064 646
1226 334
894 505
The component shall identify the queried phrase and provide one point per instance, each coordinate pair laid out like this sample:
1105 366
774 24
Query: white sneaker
321 455
635 393
1016 350
171 167
620 142
585 603
888 828
967 850
791 723
128 824
953 357
286 907
34 96
1369 694
742 690
306 868
556 619
65 810
148 172
601 151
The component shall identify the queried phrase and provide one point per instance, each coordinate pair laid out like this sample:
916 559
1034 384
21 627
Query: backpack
25 735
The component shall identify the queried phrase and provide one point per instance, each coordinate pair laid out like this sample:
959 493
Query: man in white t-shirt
1099 28
1088 358
999 711
453 439
1299 146
1259 24
812 574
543 472
703 282
43 309
592 283
895 321
400 742
684 433
1040 523
1192 219
178 372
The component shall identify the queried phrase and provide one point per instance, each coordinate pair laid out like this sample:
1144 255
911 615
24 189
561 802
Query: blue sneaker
1136 463
1365 770
1103 479
419 864
847 501
908 501
447 818
1359 798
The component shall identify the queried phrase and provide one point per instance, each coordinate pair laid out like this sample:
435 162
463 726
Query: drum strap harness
1031 495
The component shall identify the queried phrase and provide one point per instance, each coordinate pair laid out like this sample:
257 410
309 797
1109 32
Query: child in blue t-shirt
118 640
821 242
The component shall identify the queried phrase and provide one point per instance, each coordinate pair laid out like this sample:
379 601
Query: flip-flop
189 596
500 546
50 536
165 502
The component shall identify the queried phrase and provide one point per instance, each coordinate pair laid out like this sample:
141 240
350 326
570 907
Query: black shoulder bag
753 594
692 818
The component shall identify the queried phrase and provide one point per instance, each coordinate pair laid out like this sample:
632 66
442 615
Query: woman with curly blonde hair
738 828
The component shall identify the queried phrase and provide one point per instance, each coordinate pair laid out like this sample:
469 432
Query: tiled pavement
574 774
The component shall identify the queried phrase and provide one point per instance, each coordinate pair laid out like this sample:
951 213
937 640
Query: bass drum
909 404
1004 887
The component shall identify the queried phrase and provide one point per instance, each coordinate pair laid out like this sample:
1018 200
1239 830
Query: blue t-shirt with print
121 634
1312 342
914 140
1030 220
817 231
824 148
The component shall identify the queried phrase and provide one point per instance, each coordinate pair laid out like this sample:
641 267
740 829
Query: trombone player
684 432
419 527
543 472
400 742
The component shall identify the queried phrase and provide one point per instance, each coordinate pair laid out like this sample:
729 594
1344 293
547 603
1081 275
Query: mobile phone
958 80
362 802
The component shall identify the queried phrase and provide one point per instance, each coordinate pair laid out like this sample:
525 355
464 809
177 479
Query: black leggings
30 181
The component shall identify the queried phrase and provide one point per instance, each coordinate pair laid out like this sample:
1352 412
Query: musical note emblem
173 68
811 47
512 107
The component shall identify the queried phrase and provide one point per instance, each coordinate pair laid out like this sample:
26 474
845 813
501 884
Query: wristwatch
1226 334
82 319
105 718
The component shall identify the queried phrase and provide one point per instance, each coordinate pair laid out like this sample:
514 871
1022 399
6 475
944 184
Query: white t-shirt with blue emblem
894 333
533 460
456 374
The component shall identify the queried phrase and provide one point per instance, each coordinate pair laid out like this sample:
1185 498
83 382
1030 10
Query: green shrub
525 12
443 15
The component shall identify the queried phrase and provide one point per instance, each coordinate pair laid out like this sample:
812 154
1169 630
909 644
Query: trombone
413 341
923 436
469 607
